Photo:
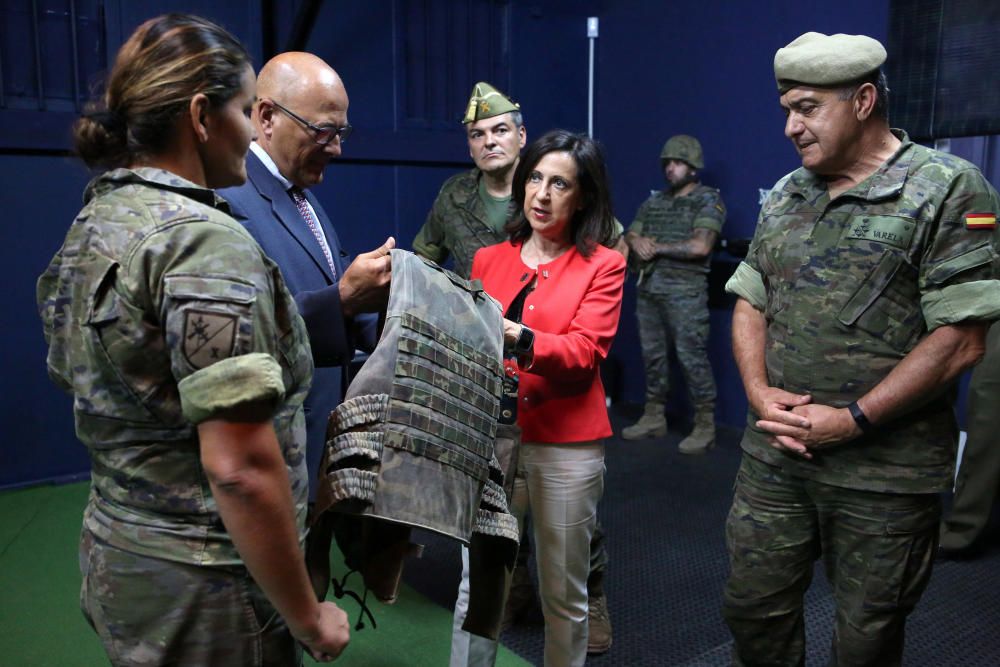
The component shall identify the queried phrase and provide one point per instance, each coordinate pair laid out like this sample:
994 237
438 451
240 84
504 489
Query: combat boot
702 436
521 599
652 424
598 624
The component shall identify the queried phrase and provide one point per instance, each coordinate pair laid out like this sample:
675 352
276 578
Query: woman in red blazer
561 290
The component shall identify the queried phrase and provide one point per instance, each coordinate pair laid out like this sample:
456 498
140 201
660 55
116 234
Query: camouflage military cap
487 102
826 61
685 148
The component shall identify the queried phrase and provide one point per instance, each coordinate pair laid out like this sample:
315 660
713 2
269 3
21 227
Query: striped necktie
299 197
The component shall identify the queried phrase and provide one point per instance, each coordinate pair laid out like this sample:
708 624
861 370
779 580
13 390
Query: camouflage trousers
877 551
678 320
149 611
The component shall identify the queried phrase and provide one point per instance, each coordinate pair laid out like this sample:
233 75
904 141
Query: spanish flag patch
980 220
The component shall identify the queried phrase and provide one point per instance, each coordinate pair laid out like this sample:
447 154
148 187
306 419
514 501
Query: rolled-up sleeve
960 272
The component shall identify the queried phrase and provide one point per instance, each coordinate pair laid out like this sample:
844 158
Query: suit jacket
574 313
265 208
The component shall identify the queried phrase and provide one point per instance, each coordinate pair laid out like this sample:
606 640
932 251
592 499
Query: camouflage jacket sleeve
639 220
960 273
713 214
430 240
747 281
214 294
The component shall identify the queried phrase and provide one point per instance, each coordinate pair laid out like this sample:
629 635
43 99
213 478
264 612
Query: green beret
825 61
486 102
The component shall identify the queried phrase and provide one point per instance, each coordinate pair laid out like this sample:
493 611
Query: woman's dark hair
167 61
594 223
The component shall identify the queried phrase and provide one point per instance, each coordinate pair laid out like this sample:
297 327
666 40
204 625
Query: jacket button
531 307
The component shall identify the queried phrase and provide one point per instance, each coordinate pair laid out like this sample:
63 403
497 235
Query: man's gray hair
877 79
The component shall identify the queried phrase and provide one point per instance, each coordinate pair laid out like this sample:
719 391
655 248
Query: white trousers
561 485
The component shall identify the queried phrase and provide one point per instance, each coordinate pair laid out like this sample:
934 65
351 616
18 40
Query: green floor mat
42 623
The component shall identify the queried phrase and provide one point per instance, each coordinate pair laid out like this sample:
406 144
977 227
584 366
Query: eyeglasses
322 134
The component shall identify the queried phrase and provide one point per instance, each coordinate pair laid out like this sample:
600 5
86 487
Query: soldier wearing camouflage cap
867 290
471 212
473 207
672 236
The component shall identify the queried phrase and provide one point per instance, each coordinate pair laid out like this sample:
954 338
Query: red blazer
574 313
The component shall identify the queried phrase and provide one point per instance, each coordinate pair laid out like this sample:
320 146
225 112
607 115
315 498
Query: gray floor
664 514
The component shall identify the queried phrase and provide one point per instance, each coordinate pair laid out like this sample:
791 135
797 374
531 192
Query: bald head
307 87
296 77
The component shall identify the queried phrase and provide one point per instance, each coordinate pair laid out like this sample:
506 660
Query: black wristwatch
525 341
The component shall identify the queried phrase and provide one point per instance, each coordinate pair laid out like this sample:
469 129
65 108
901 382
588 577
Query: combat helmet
683 147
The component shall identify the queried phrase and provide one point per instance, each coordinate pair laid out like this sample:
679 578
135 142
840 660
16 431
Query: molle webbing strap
367 409
356 443
493 495
428 448
496 524
462 349
348 484
415 369
442 405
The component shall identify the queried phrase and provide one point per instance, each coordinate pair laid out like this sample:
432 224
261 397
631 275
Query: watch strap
860 418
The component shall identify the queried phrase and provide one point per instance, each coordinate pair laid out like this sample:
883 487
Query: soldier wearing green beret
868 288
471 212
672 237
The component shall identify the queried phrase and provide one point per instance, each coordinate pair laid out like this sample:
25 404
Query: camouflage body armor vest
412 445
670 219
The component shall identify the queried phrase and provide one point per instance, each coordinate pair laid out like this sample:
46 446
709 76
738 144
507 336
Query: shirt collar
270 165
158 178
887 181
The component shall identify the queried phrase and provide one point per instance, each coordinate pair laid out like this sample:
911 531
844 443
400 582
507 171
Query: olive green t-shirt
496 207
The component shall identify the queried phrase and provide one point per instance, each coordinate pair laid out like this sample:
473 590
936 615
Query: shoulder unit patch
208 337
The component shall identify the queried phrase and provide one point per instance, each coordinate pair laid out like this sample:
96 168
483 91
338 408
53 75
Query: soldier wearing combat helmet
672 238
867 290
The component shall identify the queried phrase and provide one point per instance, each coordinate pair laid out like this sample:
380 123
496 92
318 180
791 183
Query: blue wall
662 68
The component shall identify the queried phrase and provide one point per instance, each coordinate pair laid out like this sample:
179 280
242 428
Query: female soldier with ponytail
188 365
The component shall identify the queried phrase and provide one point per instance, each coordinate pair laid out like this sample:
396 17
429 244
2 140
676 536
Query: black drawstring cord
340 590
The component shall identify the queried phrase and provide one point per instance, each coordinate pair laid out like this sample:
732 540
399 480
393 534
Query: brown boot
599 624
652 424
702 436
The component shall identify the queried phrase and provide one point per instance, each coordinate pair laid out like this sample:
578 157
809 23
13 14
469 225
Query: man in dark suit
300 118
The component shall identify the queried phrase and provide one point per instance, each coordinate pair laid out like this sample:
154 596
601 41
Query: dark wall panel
39 199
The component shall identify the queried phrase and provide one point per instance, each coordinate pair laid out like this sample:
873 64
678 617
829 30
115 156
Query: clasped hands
798 426
644 247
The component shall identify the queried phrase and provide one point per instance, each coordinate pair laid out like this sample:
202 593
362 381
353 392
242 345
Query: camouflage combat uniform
848 288
672 304
161 312
457 224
